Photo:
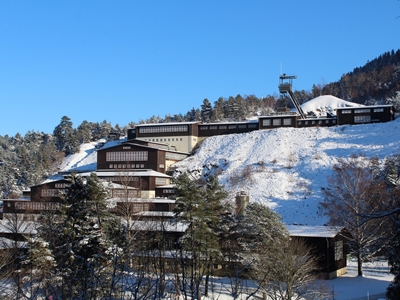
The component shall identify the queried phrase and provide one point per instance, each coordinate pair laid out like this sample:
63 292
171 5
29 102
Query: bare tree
293 273
354 191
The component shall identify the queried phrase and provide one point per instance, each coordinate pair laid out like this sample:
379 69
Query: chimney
242 199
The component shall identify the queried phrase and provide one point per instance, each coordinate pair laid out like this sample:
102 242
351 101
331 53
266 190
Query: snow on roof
167 124
314 231
143 200
136 173
251 121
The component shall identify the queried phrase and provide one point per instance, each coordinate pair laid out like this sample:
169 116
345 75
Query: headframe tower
285 87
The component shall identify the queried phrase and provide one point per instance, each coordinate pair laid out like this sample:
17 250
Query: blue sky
123 61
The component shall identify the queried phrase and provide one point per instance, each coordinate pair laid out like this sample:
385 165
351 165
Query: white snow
327 103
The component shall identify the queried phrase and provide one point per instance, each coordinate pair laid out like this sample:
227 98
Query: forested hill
28 159
377 81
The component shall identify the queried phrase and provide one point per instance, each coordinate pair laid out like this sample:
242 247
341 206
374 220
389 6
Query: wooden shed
329 244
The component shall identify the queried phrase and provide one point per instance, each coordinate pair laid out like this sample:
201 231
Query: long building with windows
185 136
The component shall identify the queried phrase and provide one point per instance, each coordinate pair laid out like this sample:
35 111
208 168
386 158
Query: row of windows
313 122
124 193
52 192
126 166
362 119
277 122
165 140
160 181
233 126
180 128
362 111
37 205
168 192
122 178
62 185
127 156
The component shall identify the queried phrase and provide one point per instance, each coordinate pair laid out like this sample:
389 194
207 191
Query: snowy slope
285 168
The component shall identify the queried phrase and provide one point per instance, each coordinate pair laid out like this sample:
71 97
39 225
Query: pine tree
83 242
206 111
200 207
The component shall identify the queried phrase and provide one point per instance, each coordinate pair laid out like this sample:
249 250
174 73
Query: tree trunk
359 264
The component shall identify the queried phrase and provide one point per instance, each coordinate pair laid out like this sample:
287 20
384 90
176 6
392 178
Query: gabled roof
314 231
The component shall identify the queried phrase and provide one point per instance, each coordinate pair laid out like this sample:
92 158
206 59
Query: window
362 111
346 111
376 110
287 121
51 192
203 127
61 185
362 119
124 193
242 126
338 250
160 181
213 127
276 122
267 122
232 126
168 191
223 127
252 125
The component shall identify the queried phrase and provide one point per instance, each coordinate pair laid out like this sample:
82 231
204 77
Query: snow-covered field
372 286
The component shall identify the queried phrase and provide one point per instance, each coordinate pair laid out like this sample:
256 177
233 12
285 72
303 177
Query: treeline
374 83
30 159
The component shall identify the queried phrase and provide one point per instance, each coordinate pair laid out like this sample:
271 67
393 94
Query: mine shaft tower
285 86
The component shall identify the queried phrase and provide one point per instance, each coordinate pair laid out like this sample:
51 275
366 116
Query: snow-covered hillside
285 168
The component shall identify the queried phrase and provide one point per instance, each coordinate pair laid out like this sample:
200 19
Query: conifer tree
200 207
83 242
